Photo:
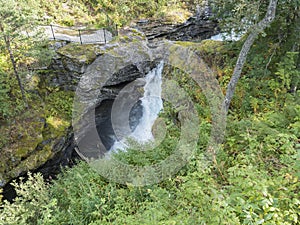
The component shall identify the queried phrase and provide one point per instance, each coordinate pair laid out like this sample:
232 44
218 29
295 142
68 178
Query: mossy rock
75 57
34 135
79 53
205 46
211 46
212 52
25 133
129 35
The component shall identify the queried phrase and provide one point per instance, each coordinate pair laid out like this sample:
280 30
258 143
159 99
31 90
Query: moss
136 35
58 114
31 162
210 46
57 122
32 156
80 53
136 32
52 132
124 39
33 134
205 45
25 134
212 52
128 35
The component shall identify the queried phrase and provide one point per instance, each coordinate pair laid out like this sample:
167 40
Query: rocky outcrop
44 145
99 86
70 62
196 28
41 143
60 154
110 91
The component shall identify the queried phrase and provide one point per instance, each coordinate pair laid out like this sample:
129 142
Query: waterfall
152 104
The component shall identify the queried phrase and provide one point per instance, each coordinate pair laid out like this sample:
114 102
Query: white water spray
151 105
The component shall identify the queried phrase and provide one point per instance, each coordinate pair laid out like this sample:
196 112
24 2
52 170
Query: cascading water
152 104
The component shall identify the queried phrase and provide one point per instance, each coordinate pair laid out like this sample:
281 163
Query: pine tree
16 19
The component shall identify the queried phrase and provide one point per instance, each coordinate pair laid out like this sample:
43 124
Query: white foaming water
152 104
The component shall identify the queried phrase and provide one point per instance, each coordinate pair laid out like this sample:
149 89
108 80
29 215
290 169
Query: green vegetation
101 13
258 185
254 178
17 19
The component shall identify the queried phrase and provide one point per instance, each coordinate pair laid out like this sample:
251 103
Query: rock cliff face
196 28
100 85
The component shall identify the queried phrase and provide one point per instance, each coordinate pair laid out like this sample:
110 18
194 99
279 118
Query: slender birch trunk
263 24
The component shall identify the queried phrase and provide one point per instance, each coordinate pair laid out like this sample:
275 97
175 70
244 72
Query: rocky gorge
48 141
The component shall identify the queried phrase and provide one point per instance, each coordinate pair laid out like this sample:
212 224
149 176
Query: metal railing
80 34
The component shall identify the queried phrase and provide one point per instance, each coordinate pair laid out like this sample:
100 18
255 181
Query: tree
16 19
260 27
253 18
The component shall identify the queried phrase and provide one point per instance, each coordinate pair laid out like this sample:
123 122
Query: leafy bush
60 104
33 204
257 182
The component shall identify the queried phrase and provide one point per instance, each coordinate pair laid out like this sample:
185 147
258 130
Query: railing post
107 20
52 32
80 36
104 36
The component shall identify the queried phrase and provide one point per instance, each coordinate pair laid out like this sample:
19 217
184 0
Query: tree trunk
13 61
265 22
